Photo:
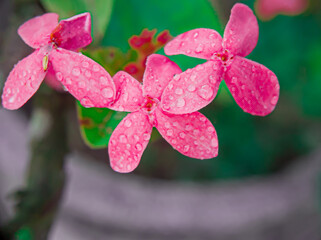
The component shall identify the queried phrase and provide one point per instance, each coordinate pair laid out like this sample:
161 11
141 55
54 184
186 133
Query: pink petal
159 72
52 81
23 81
73 33
193 89
254 87
85 79
36 31
129 93
242 31
191 134
199 43
128 142
267 9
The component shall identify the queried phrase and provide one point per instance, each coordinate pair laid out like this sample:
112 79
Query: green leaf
100 10
97 124
130 17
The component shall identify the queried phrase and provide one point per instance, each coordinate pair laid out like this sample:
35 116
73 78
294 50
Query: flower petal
199 43
36 31
191 134
85 79
159 71
129 97
242 31
254 87
128 142
23 81
193 89
267 9
52 81
73 33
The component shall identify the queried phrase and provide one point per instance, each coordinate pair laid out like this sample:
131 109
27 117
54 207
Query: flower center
149 104
224 56
55 36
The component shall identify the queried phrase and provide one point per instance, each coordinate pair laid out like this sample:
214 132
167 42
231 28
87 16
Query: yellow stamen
45 61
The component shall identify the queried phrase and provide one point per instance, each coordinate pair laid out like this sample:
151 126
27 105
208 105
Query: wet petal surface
193 89
23 81
85 79
242 31
128 142
73 33
254 87
199 43
36 31
159 71
191 134
129 96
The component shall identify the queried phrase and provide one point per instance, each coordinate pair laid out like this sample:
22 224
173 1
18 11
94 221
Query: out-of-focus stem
39 201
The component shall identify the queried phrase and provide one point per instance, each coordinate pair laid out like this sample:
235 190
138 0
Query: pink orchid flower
54 46
254 87
267 9
191 134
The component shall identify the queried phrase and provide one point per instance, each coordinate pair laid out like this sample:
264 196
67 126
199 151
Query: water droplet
146 136
128 146
195 35
81 84
196 143
176 77
167 125
214 142
86 102
193 77
139 147
68 80
179 91
85 64
203 119
87 74
113 142
211 36
210 129
186 148
169 132
243 87
75 71
128 123
107 92
95 68
175 124
182 135
234 79
188 127
11 100
199 48
180 102
205 92
136 138
24 73
170 86
274 100
122 138
191 88
196 132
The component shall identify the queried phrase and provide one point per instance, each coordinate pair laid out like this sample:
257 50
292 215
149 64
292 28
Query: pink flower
267 9
54 45
254 87
191 134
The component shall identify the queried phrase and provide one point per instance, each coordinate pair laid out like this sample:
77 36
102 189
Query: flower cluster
168 99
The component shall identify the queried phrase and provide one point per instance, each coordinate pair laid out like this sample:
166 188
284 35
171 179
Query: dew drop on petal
199 48
179 91
169 132
205 92
75 71
180 102
210 129
128 123
186 148
182 135
107 92
146 136
139 147
191 88
214 142
274 100
122 138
